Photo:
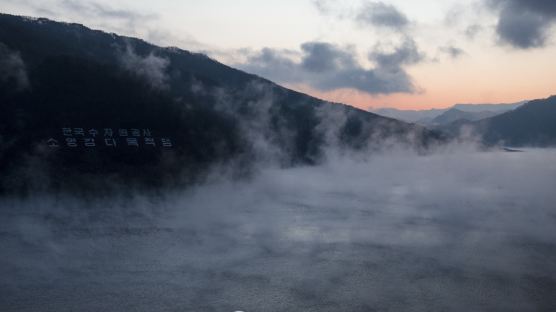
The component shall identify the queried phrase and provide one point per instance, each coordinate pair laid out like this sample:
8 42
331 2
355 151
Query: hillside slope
455 114
533 124
86 102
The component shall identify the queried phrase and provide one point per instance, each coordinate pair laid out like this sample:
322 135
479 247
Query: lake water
453 231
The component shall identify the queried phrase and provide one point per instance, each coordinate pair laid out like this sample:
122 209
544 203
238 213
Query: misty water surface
454 231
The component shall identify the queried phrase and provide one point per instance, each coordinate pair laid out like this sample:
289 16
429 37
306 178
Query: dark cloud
407 53
382 15
452 51
321 57
327 67
373 14
524 24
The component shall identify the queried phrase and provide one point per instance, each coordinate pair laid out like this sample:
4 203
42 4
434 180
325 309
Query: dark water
452 232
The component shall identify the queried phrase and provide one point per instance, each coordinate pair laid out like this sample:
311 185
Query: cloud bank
326 67
453 231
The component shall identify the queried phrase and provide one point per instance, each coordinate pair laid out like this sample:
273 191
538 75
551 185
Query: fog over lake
457 230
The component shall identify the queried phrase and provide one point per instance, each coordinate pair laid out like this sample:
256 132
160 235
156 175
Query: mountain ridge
455 114
425 116
530 125
81 79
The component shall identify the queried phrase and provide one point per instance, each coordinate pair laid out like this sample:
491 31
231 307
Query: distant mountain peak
531 124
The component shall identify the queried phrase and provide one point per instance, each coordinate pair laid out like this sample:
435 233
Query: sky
369 54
